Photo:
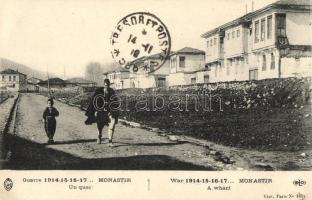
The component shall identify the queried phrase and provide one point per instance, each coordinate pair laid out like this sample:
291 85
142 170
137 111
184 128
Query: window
3 78
297 60
237 61
182 61
14 78
215 41
281 24
263 62
13 85
220 69
216 71
253 74
238 33
269 27
236 65
229 63
211 42
193 80
272 61
161 82
262 29
233 34
9 78
256 31
246 59
208 43
206 78
175 62
228 36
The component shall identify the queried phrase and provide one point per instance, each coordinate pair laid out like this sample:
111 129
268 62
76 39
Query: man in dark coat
100 110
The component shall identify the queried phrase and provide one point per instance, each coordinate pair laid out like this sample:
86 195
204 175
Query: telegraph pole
48 82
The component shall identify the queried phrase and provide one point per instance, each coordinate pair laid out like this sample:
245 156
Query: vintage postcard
168 99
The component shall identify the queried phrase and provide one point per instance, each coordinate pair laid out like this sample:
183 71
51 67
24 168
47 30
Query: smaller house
33 81
32 84
187 66
56 83
12 80
148 74
80 82
119 78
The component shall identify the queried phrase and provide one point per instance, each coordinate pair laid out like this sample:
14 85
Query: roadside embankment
7 123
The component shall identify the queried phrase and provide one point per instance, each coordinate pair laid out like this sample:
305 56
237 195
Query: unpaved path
135 148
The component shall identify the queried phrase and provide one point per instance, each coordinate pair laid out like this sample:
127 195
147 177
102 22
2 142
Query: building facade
119 78
12 80
187 66
266 43
32 84
183 67
146 74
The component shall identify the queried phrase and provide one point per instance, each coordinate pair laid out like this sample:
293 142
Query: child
49 115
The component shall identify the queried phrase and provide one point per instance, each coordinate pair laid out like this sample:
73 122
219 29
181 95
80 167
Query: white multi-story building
11 80
187 66
140 74
272 42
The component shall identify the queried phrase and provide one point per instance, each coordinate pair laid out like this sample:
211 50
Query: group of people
99 111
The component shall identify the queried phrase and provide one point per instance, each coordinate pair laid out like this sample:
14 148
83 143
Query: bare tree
94 72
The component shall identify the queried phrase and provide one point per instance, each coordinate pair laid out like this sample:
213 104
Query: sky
53 35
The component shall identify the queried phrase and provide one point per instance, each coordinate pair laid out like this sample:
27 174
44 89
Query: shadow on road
119 144
28 155
73 141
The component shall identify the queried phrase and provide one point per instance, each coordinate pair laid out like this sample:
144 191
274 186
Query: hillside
6 63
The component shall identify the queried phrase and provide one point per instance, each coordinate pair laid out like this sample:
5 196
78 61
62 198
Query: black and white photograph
196 86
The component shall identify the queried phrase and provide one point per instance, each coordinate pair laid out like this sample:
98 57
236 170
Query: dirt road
134 149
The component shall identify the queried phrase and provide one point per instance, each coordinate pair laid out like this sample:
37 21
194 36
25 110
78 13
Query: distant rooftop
118 69
189 50
53 81
33 80
157 56
11 71
79 80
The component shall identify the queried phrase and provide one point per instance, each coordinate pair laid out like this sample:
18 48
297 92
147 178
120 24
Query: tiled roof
33 80
53 81
118 69
189 50
157 56
293 2
79 80
283 4
10 71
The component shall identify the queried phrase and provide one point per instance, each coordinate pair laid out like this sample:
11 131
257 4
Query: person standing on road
49 115
101 112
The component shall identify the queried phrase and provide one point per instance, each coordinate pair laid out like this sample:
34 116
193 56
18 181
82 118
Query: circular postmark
138 37
8 184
